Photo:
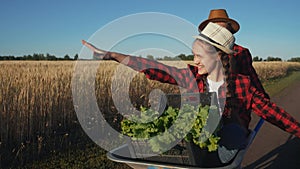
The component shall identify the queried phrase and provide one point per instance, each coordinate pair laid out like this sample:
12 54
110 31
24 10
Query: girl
211 73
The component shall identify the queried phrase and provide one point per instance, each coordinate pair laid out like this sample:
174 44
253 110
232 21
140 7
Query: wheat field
37 112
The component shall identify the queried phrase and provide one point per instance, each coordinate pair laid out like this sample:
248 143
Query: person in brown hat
241 60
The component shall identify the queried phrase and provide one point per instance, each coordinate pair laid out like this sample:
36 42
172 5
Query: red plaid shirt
244 66
248 97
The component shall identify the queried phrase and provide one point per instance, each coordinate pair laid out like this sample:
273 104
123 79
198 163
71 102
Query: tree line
38 56
270 58
255 59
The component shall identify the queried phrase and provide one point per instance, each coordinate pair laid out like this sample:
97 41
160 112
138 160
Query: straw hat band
204 36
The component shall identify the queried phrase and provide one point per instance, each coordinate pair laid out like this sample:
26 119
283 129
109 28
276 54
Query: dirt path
272 147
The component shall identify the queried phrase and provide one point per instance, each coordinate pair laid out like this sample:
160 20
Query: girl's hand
97 53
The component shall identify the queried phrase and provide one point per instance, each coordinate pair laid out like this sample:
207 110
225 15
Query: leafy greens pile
174 123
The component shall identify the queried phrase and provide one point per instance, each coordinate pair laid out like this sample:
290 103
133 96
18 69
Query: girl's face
205 57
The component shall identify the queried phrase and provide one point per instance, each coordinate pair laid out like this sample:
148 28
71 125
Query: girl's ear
219 55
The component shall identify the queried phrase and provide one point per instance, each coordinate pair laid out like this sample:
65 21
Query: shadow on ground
284 156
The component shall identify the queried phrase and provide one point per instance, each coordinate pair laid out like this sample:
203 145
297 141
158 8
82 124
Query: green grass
92 156
274 87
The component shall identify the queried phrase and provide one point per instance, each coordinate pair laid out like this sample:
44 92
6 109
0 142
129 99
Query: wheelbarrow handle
259 124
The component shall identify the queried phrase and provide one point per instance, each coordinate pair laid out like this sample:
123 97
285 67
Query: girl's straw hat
217 36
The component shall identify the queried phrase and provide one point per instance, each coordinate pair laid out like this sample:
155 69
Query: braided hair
231 108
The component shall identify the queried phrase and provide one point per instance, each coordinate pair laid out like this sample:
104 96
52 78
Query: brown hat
219 15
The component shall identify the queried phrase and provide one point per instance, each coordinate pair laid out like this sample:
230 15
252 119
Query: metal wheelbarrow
123 153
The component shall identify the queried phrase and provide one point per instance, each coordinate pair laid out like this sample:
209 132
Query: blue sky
268 27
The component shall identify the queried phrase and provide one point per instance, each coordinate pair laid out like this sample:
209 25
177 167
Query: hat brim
226 50
235 25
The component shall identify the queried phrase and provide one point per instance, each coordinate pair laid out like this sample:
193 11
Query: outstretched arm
272 113
104 55
152 69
